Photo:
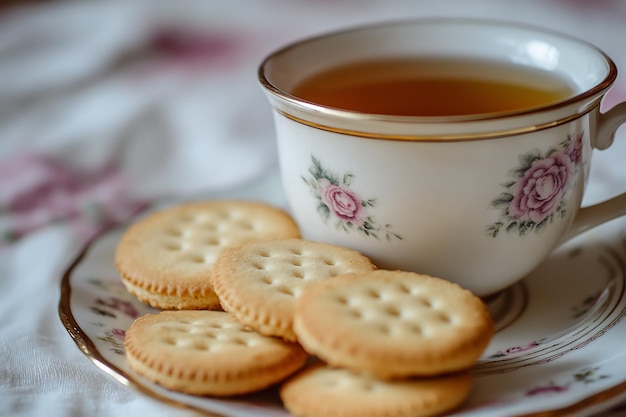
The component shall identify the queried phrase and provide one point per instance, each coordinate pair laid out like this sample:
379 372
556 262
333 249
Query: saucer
558 349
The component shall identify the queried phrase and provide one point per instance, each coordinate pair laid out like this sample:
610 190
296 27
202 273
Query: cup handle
594 215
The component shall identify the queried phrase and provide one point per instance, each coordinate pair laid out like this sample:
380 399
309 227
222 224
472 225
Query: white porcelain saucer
559 348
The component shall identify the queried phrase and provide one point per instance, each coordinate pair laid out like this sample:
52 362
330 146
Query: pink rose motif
538 193
119 333
548 389
37 190
516 349
350 212
575 150
342 202
118 304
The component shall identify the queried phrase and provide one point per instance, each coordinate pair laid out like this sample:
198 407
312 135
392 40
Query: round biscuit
166 258
393 324
259 283
205 352
321 391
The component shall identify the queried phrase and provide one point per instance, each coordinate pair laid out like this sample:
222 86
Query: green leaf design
503 201
369 226
323 211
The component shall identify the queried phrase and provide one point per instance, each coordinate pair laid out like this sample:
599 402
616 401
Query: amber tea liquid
433 87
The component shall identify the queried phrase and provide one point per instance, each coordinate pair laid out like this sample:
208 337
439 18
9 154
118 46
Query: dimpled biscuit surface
207 353
259 282
166 258
321 391
393 324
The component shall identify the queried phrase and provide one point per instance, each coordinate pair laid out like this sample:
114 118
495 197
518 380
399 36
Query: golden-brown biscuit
321 391
259 283
166 259
208 353
393 324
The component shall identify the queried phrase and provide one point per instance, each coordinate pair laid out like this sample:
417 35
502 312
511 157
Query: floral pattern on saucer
111 309
337 201
561 353
585 376
534 197
517 349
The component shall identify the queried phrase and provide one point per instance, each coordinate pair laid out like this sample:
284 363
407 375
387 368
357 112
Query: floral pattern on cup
534 197
337 201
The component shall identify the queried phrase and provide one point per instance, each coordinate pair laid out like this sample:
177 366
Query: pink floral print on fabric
185 45
192 53
37 190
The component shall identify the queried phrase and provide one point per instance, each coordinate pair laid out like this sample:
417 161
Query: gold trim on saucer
88 347
91 351
597 324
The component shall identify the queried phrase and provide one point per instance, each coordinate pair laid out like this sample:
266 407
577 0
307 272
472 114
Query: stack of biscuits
247 304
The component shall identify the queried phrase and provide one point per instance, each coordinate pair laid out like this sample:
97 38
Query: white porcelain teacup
478 199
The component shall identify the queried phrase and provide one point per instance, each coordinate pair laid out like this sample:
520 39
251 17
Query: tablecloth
107 107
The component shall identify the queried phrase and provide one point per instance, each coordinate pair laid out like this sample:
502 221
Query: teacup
480 198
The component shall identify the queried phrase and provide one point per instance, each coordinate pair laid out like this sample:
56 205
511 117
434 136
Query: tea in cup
458 148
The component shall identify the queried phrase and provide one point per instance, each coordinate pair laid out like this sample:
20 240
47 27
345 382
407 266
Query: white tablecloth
108 106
